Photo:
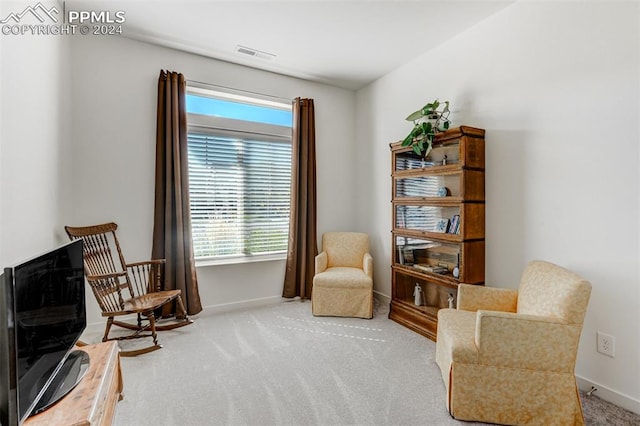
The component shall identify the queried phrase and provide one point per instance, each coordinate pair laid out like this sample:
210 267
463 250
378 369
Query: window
239 176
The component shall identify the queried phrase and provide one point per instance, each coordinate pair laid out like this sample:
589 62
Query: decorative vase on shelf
417 294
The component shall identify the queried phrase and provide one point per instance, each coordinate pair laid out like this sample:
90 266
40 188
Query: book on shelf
455 224
429 268
407 254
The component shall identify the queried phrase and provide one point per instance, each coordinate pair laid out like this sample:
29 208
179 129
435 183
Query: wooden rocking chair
124 288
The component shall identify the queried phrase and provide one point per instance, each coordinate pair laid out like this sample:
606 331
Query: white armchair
343 281
508 356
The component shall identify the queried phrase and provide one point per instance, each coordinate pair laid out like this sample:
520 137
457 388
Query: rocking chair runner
111 283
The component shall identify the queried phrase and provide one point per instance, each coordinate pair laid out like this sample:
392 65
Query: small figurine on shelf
450 299
417 294
444 160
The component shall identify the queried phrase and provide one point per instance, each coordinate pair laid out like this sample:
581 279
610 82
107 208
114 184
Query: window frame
227 127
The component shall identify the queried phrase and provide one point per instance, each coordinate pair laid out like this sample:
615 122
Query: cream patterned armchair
343 281
509 356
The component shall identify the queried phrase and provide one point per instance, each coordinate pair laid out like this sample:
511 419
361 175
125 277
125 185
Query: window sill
239 260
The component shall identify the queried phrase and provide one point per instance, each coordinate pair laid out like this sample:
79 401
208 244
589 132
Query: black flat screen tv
42 315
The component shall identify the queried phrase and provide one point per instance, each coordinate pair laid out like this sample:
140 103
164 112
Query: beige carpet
279 365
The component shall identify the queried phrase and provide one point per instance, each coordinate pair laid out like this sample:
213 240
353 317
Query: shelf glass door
441 154
424 295
432 186
441 219
427 256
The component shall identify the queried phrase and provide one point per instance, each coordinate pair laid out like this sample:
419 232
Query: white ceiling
344 43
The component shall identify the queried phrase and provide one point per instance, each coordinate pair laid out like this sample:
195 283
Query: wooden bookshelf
446 185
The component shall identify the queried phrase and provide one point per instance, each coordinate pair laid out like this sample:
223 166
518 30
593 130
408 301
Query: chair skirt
342 292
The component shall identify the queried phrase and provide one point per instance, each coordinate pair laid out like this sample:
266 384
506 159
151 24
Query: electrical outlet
606 344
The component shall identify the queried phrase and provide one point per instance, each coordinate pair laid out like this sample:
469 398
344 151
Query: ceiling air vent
253 52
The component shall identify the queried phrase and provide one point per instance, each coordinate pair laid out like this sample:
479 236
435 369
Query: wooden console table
93 401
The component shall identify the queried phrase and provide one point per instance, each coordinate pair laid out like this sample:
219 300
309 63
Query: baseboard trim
243 304
610 395
382 298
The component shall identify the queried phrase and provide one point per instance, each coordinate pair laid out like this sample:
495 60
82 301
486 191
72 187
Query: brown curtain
172 215
303 246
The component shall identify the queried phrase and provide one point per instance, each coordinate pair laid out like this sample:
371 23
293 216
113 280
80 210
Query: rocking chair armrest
147 262
106 276
146 276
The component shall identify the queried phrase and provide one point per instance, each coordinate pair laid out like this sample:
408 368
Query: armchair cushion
342 277
456 335
474 298
345 248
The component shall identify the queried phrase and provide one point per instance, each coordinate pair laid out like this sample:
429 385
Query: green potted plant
427 121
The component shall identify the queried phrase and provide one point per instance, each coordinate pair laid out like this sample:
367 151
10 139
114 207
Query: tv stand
93 401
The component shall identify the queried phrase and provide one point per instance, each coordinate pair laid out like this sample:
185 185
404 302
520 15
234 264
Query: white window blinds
240 187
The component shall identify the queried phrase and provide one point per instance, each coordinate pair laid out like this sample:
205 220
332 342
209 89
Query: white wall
114 120
556 86
34 141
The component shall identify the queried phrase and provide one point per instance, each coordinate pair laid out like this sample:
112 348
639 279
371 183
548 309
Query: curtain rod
240 90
